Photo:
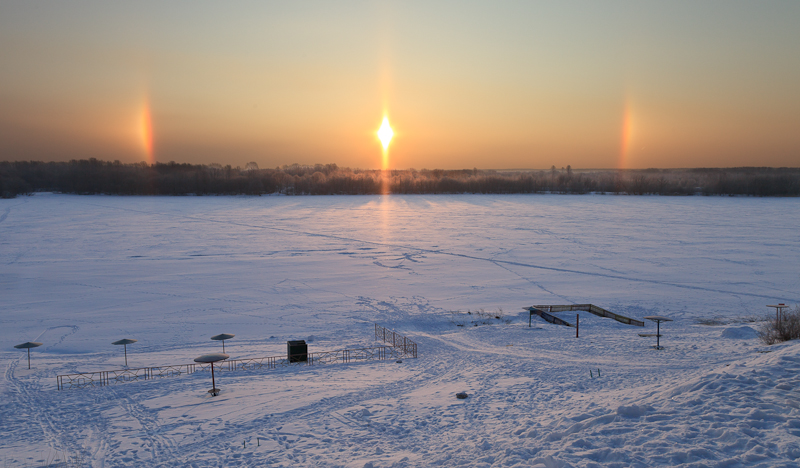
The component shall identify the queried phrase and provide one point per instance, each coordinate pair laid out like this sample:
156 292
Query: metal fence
397 340
401 347
92 379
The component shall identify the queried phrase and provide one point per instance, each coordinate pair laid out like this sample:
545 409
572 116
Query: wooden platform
592 309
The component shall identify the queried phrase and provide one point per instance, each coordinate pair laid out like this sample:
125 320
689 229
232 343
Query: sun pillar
626 137
385 134
146 131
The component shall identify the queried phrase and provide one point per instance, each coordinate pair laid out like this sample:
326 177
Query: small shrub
478 317
719 320
711 322
776 331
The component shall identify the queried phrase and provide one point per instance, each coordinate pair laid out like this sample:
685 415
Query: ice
79 272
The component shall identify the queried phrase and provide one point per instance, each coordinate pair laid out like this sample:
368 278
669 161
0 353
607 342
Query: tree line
94 176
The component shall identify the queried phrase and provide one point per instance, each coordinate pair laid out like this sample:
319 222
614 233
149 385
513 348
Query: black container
297 351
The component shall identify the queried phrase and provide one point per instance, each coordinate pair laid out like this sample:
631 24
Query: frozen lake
268 260
82 271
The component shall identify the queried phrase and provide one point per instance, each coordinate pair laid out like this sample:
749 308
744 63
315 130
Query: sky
492 85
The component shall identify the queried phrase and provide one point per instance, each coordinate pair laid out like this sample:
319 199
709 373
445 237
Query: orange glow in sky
146 131
625 138
508 85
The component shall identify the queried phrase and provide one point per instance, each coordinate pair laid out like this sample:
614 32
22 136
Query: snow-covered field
78 272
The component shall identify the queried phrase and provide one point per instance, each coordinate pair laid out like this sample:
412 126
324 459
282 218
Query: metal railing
397 340
92 379
401 347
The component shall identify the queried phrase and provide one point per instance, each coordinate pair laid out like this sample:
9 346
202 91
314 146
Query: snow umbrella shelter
211 359
658 319
222 337
125 342
28 346
780 309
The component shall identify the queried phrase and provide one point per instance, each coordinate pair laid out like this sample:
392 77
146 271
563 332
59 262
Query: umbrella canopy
223 336
213 357
658 318
125 341
28 345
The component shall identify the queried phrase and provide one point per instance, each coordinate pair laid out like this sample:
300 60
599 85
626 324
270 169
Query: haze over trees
94 176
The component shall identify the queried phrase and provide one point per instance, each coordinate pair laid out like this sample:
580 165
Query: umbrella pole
223 346
126 355
29 358
213 383
658 335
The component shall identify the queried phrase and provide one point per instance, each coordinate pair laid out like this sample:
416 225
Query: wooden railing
591 308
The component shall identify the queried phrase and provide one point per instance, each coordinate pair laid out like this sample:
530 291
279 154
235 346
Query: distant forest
100 177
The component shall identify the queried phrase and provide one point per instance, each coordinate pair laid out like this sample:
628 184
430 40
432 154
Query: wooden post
658 334
213 382
577 325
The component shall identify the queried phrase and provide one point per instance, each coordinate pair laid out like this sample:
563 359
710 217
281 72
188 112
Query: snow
81 272
744 332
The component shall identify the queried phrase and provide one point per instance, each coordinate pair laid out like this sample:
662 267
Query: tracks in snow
495 261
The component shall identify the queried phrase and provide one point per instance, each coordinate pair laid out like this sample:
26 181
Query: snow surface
739 332
79 272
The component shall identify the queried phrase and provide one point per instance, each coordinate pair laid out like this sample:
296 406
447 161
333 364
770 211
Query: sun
385 133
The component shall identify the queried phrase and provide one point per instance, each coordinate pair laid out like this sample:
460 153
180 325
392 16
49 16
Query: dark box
297 351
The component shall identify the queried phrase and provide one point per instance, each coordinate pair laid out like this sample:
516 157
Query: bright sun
385 133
